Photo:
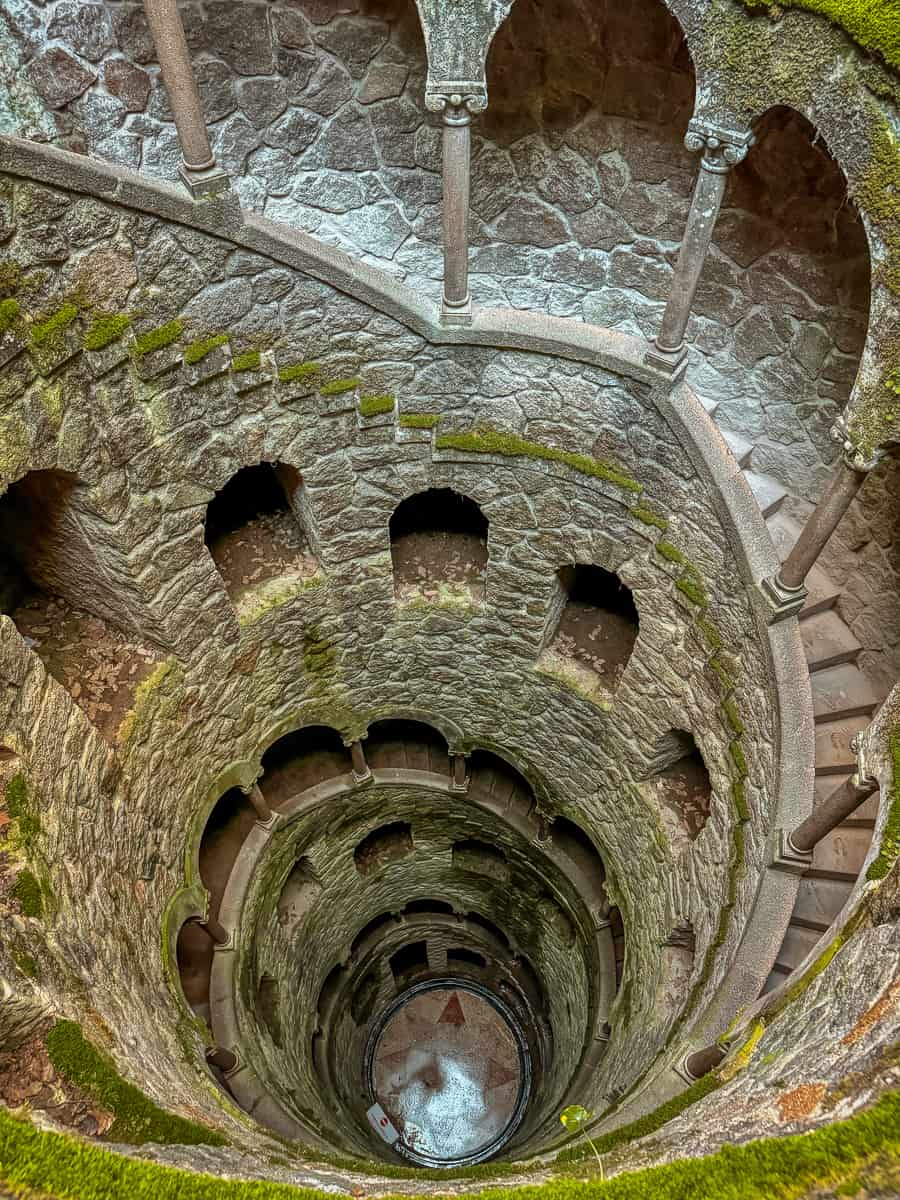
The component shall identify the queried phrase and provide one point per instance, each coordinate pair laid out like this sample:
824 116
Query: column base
782 601
785 857
204 184
453 313
360 779
671 362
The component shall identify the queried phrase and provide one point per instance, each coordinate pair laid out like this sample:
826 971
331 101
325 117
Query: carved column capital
851 456
722 148
456 107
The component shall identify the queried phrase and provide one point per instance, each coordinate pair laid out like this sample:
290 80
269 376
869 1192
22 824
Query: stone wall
155 439
580 188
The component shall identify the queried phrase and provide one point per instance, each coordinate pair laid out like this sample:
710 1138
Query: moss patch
27 965
485 440
143 694
337 387
298 371
48 330
889 851
24 820
195 352
27 890
106 329
248 361
690 586
411 420
649 517
373 406
157 339
872 24
9 313
52 1165
136 1118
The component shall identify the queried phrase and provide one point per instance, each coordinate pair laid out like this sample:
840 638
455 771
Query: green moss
51 1165
689 585
106 329
337 387
736 750
143 693
157 339
373 406
27 965
27 822
649 517
485 440
710 633
669 552
410 420
248 361
319 655
872 24
254 605
9 314
723 672
298 371
27 890
49 329
136 1119
890 837
195 352
649 1123
734 720
740 1058
10 277
739 800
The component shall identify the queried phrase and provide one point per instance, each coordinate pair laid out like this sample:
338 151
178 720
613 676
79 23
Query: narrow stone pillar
459 781
786 592
224 1059
258 800
844 800
457 111
703 1061
198 168
361 772
722 149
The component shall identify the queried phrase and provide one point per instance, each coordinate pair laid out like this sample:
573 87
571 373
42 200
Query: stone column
216 931
844 800
722 149
785 591
224 1059
361 772
703 1061
457 111
198 167
459 780
257 799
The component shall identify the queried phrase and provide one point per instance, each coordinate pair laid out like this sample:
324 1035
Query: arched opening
300 760
571 840
268 1008
579 169
193 957
383 846
680 784
461 958
439 547
408 962
591 629
677 967
370 930
498 784
412 745
256 532
429 907
57 591
479 858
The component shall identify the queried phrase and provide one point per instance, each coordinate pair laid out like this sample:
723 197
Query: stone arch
439 547
300 759
257 532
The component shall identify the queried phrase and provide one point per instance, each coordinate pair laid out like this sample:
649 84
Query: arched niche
66 586
414 745
301 759
382 846
257 532
439 547
679 783
592 626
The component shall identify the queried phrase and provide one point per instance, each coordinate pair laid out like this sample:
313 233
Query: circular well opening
449 1066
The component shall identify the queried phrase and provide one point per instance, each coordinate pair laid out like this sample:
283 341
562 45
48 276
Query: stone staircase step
739 447
798 941
822 592
767 490
841 853
709 404
826 640
842 691
818 902
833 753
